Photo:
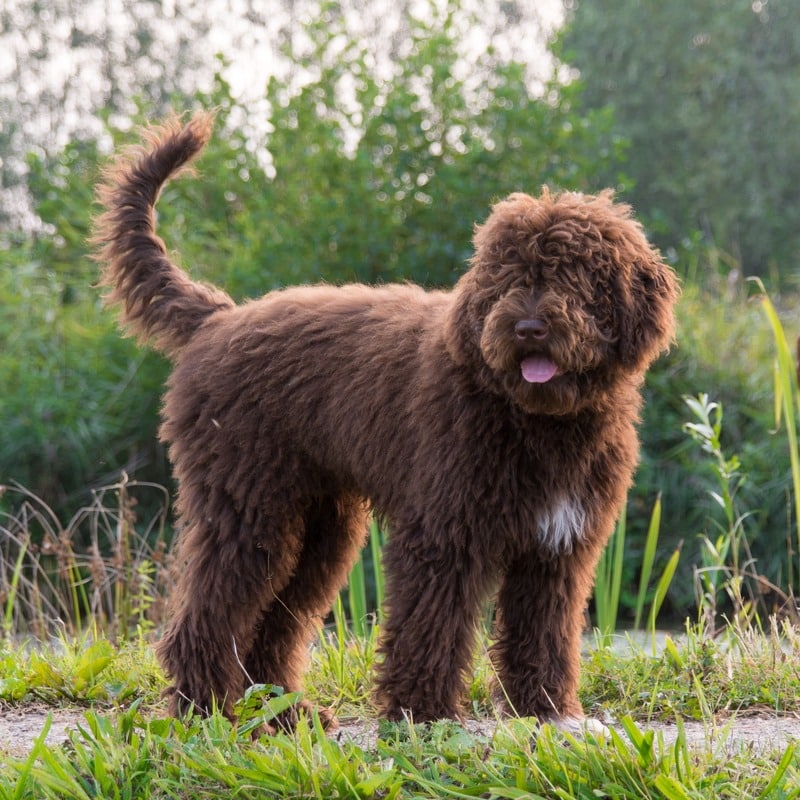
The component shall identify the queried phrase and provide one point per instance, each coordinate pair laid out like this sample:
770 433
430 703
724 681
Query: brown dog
492 426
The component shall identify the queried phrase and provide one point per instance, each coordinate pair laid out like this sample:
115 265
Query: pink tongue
536 369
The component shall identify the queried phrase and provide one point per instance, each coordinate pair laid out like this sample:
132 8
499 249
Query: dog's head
564 297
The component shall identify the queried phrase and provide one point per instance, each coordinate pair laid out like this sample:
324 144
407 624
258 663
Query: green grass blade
13 588
662 587
357 595
33 756
780 771
376 540
785 391
648 559
340 620
609 580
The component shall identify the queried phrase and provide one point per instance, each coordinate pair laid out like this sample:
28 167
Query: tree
67 64
703 93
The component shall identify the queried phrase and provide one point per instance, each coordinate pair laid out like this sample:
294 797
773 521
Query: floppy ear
646 319
461 326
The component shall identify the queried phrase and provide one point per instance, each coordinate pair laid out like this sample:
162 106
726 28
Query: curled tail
159 302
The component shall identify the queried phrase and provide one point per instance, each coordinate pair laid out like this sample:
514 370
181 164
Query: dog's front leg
433 600
540 614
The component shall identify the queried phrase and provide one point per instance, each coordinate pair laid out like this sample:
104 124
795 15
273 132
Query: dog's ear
462 325
646 317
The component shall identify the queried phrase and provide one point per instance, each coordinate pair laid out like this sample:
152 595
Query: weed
365 586
787 400
727 561
101 569
134 752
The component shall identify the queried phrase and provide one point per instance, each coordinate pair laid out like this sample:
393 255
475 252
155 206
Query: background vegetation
699 92
370 158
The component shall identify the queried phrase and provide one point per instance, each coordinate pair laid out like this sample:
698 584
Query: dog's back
318 372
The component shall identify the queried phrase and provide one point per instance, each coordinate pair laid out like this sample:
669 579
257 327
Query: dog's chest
552 491
561 523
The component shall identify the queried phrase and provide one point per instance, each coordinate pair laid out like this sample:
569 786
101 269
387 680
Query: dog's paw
182 703
286 721
581 727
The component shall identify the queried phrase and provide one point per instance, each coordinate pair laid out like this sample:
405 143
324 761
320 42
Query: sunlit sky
245 31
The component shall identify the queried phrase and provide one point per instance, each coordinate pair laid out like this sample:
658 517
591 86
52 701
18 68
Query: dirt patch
20 727
759 735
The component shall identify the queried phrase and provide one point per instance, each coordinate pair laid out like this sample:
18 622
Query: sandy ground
19 728
759 735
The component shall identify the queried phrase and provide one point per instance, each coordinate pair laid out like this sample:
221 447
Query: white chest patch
561 525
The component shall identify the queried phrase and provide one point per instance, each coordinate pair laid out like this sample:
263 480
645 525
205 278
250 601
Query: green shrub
79 403
725 349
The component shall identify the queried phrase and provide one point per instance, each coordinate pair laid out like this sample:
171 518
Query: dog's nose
531 329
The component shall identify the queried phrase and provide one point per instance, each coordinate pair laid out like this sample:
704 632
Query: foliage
110 52
365 593
727 561
702 674
84 670
378 178
67 58
787 396
610 572
122 747
725 349
699 93
77 397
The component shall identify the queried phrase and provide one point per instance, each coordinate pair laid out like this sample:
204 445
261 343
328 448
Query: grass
123 747
699 677
787 396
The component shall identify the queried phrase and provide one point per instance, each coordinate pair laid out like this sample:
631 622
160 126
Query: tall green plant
364 590
608 582
610 570
665 579
727 562
787 398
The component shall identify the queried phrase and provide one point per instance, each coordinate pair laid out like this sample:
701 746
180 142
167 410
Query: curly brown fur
493 426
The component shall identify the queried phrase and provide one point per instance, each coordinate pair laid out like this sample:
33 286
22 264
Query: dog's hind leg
335 530
230 577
